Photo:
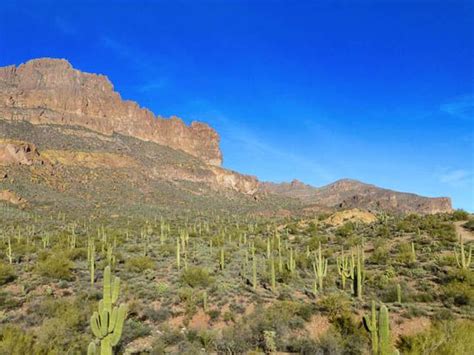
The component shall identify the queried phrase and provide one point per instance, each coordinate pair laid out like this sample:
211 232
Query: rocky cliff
347 193
51 91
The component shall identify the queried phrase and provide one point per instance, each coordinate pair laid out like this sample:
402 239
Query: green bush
458 293
469 225
444 337
196 277
15 341
7 273
460 215
335 305
139 264
56 267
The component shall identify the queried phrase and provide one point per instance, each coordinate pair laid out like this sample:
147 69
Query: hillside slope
66 135
347 193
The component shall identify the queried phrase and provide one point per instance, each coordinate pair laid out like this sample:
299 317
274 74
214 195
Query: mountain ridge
55 117
51 91
351 193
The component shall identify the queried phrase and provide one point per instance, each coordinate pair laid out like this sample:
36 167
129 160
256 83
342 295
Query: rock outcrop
11 197
17 152
347 193
51 91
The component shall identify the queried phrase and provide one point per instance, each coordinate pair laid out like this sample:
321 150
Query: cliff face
50 91
348 193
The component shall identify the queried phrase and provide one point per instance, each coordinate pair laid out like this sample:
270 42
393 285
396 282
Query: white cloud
461 107
456 177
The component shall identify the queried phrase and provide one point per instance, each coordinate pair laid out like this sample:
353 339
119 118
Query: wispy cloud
457 177
461 107
151 85
256 145
140 61
65 26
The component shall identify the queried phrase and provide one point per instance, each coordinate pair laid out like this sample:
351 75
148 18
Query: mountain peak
51 91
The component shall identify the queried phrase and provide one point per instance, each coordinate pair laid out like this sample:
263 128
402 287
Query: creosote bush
196 277
56 267
139 264
7 273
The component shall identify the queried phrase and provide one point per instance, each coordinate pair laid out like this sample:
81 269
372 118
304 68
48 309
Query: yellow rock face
353 215
91 160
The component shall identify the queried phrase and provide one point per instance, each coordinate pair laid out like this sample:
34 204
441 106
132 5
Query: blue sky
379 91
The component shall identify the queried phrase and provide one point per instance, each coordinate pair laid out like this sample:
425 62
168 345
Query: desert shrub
380 256
133 330
352 334
206 338
139 264
70 313
458 293
237 339
335 305
8 302
313 242
56 267
460 215
7 273
404 254
15 341
345 230
171 336
443 337
214 314
77 254
161 288
196 277
303 345
469 225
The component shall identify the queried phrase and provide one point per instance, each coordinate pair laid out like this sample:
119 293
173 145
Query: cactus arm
104 321
121 315
107 290
113 320
115 289
95 325
92 349
384 331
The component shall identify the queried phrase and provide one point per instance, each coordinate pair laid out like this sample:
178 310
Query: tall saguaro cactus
379 330
371 326
321 267
344 269
359 274
384 332
463 260
107 323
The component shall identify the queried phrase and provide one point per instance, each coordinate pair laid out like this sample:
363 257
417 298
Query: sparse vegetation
243 283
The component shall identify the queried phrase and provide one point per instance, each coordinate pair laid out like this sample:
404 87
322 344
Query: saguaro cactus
254 268
272 273
321 267
384 332
9 251
379 331
399 293
107 323
91 253
359 274
178 254
344 269
222 259
371 326
463 260
413 253
291 264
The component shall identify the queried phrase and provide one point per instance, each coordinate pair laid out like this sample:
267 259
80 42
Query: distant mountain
347 193
68 141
